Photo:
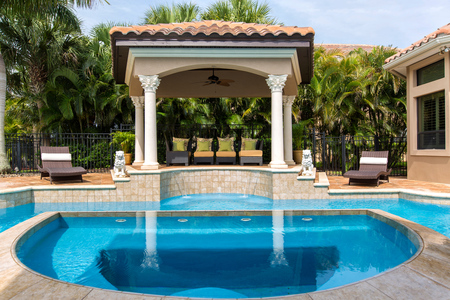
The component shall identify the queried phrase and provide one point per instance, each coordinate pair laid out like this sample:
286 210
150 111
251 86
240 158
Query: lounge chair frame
370 173
178 157
59 170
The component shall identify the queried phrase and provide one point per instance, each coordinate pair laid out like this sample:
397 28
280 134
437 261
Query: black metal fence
336 155
94 151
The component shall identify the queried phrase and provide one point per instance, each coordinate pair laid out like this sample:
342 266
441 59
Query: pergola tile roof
444 30
214 27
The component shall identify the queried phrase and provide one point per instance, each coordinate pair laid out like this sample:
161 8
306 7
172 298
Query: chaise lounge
57 164
372 168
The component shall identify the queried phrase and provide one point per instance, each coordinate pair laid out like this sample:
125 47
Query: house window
431 114
431 72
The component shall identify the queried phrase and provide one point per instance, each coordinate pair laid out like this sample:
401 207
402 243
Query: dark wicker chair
251 156
57 164
178 157
372 168
205 157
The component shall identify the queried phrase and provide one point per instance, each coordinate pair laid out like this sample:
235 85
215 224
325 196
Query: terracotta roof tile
214 27
345 48
444 30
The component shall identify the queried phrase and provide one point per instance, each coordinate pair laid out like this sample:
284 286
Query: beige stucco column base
278 165
150 167
276 84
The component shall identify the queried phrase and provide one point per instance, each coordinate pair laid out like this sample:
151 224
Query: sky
397 23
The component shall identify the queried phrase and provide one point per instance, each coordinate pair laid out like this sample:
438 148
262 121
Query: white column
287 104
150 83
276 84
138 102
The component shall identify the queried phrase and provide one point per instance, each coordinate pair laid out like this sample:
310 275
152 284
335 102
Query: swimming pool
272 254
434 216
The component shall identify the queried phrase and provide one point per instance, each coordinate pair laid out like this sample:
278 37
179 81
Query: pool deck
337 183
424 276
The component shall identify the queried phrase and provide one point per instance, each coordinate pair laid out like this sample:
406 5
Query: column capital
288 100
150 82
138 101
276 82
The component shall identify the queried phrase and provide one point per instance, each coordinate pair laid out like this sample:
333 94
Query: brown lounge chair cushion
60 172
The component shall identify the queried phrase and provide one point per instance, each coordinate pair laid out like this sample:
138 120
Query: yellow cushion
244 140
226 154
250 153
185 142
178 146
203 153
250 145
225 146
202 140
226 140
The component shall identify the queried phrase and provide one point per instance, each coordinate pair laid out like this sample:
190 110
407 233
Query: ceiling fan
213 79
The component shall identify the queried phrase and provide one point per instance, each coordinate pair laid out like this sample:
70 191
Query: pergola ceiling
184 55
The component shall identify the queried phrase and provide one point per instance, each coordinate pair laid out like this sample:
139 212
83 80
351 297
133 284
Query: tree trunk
4 164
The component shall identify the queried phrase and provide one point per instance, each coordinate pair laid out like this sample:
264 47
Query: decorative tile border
424 276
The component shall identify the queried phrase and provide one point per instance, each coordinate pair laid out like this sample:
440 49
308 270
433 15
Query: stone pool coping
424 276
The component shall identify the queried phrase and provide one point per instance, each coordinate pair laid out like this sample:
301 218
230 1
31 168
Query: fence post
314 144
344 156
324 145
377 143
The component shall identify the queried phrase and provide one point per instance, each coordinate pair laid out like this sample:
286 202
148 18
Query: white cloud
382 22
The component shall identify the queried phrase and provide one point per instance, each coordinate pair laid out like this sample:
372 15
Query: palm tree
18 9
28 7
88 92
38 47
4 164
177 13
247 11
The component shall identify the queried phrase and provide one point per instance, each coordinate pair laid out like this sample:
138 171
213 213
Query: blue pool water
434 216
222 257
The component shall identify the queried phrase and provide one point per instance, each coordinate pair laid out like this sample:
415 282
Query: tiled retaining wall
159 185
216 181
15 197
156 186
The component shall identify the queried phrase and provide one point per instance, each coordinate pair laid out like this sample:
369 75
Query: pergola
175 60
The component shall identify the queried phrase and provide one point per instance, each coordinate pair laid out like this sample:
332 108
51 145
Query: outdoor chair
57 164
372 168
178 151
250 151
227 151
204 151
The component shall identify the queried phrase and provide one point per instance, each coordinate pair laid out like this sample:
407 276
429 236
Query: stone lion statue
119 164
307 164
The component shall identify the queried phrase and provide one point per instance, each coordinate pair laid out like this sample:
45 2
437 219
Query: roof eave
398 65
